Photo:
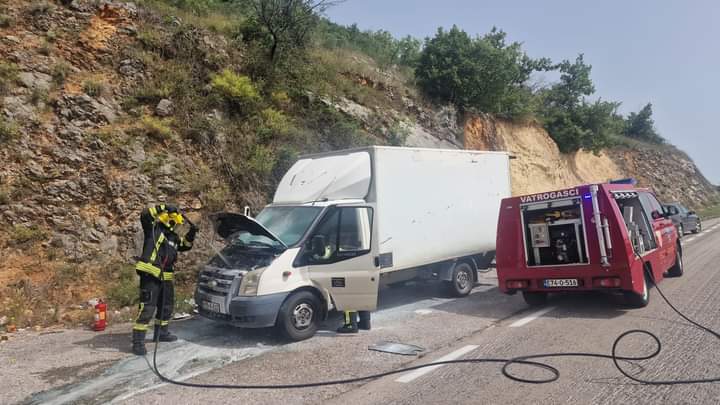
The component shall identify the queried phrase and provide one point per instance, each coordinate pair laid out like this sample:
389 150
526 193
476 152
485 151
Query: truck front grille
217 281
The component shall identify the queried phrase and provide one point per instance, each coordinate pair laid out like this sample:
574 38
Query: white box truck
342 223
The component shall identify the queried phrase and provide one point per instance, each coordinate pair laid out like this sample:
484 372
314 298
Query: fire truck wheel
677 269
535 299
638 300
299 316
462 280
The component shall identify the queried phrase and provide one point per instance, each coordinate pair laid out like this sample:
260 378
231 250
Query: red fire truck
586 238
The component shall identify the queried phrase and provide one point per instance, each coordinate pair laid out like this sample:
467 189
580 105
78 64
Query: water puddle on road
196 353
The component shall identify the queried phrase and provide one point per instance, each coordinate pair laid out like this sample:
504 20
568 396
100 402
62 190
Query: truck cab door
339 257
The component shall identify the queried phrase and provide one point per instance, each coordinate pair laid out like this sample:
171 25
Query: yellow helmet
171 219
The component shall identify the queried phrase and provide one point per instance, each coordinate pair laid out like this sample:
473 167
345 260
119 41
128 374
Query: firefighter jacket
160 245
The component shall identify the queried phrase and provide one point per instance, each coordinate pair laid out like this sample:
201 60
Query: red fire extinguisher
100 316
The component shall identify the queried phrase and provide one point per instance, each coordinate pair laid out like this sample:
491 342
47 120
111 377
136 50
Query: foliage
234 88
6 21
60 72
641 126
572 121
8 76
484 73
21 235
398 133
93 88
39 95
286 24
123 290
273 123
380 45
8 130
155 128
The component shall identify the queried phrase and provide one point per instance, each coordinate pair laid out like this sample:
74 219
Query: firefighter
351 323
155 268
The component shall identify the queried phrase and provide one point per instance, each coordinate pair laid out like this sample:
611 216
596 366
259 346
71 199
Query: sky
662 51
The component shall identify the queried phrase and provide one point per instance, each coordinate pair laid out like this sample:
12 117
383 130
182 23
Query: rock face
539 165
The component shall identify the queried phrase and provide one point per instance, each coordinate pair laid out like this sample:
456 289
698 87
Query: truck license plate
562 282
210 306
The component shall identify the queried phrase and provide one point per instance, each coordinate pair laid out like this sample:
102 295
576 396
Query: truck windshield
287 223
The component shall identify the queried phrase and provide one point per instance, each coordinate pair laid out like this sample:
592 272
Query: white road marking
422 371
531 317
424 311
688 240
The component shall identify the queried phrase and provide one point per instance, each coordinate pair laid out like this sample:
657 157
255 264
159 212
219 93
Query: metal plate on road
210 306
396 348
561 282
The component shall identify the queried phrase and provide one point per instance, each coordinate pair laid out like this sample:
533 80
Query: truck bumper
248 312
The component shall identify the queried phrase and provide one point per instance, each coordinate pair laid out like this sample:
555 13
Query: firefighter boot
350 325
364 323
138 343
165 335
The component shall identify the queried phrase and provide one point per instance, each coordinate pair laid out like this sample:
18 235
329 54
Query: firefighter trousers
157 299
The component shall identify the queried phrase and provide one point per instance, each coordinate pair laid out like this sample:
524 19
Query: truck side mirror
317 245
691 212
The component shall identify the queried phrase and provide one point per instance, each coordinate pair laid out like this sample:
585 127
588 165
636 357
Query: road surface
84 367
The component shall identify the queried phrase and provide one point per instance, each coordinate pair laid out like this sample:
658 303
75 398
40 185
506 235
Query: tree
641 126
572 121
484 73
289 22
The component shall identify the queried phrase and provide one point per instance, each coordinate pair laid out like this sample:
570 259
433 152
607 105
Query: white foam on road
422 371
526 320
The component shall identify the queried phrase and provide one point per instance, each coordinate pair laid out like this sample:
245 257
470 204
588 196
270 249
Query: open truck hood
228 223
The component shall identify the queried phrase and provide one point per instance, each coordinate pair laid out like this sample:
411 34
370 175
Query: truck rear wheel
535 298
678 268
636 300
462 281
299 316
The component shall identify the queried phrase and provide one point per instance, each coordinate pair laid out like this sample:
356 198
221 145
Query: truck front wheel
462 280
535 298
299 316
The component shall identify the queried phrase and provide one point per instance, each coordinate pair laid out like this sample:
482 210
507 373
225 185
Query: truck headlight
249 284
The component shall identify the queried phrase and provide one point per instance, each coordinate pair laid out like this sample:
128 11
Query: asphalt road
85 367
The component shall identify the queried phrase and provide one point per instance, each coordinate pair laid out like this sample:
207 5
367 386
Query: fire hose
526 360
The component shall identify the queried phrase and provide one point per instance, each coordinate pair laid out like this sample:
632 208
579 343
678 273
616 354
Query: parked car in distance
685 220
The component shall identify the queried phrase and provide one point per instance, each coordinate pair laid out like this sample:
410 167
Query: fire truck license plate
210 306
562 282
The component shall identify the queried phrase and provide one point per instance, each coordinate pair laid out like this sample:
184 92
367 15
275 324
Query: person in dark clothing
155 268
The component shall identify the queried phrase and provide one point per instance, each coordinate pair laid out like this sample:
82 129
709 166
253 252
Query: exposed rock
17 109
164 108
35 80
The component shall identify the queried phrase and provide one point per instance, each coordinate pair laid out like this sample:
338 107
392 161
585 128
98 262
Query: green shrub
261 161
4 196
6 21
8 130
93 88
40 7
38 95
8 76
21 235
215 198
397 135
60 72
45 48
156 128
273 123
234 88
123 291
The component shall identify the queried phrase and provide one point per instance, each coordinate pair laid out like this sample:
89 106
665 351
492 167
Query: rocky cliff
539 165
